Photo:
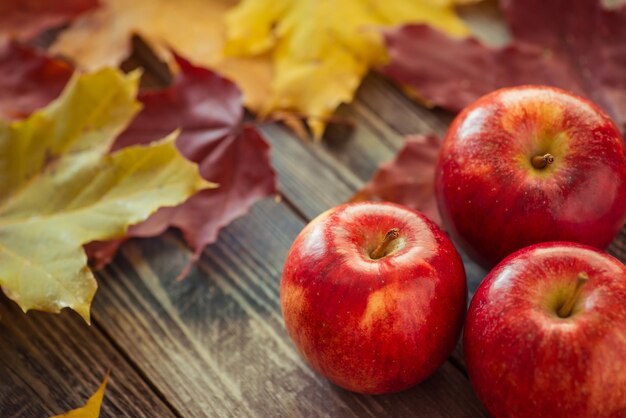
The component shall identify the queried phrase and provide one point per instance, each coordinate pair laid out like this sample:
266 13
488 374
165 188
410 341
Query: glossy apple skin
524 360
373 326
494 202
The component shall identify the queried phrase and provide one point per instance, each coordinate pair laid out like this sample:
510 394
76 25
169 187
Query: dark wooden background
214 344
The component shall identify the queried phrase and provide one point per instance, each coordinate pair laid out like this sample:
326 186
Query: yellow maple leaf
193 28
321 49
306 56
59 189
91 408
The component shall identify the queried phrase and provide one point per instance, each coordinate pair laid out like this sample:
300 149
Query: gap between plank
44 402
324 157
293 208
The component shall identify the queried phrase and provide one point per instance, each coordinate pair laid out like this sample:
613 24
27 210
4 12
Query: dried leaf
453 73
92 407
209 111
322 50
409 179
193 28
29 79
23 19
579 46
305 56
59 189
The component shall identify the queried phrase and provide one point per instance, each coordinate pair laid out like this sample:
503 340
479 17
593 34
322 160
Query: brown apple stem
542 161
382 248
566 310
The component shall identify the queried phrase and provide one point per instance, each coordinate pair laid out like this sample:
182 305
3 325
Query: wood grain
53 363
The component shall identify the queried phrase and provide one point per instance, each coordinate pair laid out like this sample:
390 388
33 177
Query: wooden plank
214 344
401 113
359 150
50 364
306 176
17 399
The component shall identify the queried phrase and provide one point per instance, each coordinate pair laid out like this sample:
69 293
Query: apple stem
381 250
566 310
542 161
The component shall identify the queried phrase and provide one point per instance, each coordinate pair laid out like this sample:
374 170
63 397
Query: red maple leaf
576 45
29 79
409 179
209 111
24 19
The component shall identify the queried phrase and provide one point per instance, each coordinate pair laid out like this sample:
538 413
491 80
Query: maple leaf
24 19
209 111
59 189
91 409
306 56
576 45
193 28
29 79
321 50
409 179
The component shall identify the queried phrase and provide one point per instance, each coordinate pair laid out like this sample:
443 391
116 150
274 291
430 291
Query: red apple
373 296
531 164
545 334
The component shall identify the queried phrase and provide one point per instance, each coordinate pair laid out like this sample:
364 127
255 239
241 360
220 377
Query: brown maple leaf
29 79
576 45
409 179
24 19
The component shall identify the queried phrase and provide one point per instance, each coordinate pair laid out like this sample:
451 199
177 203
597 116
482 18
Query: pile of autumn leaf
102 161
87 160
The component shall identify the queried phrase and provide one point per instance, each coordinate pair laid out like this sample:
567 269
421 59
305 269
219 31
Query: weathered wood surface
52 363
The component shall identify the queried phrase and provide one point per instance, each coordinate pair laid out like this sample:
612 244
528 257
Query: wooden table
214 344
